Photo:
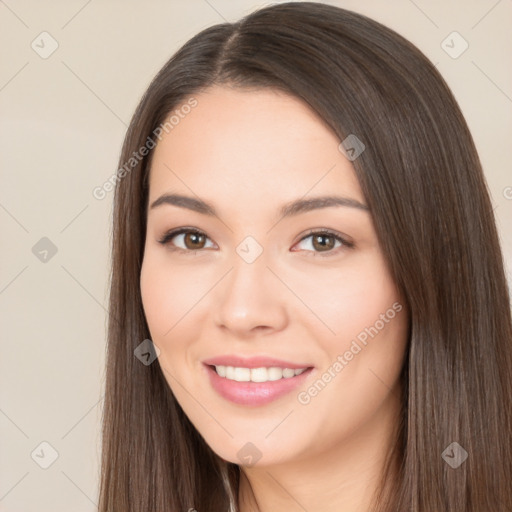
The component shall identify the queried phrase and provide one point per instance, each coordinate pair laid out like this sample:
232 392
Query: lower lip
254 393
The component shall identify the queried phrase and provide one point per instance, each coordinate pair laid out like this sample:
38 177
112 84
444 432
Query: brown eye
185 240
194 240
324 242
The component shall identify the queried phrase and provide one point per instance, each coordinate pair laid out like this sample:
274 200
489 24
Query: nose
250 299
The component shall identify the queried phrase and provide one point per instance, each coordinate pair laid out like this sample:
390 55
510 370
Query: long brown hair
422 179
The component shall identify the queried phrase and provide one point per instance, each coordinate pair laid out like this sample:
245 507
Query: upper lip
252 362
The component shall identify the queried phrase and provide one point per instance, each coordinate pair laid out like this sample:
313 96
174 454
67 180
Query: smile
255 386
262 374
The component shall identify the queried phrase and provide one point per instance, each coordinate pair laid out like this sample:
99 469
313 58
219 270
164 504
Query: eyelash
168 236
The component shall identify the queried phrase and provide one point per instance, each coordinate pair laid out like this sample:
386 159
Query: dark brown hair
422 179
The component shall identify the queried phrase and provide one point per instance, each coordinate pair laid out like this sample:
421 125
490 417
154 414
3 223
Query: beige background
62 124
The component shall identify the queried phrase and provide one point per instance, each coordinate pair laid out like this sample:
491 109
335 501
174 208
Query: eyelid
169 235
345 242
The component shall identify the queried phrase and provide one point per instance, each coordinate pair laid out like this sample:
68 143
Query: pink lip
253 362
253 393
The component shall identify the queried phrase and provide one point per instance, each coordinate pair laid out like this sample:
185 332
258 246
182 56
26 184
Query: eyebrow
289 209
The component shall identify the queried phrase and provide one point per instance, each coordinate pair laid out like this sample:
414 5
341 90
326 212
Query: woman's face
256 288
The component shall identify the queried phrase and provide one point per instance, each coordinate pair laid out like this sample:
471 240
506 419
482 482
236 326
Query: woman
308 308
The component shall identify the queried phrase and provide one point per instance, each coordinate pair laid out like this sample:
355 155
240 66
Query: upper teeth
256 374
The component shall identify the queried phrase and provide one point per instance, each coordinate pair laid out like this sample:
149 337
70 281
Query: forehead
239 144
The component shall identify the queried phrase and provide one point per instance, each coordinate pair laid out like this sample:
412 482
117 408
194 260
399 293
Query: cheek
342 302
163 296
169 293
362 361
360 328
175 302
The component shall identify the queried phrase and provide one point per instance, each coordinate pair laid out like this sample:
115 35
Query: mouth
252 385
262 374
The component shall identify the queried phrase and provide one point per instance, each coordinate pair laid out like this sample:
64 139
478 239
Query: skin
248 152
